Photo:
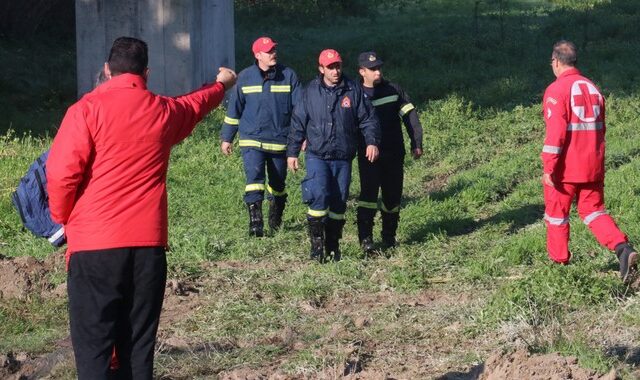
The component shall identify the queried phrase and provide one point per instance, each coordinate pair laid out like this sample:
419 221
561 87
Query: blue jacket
260 108
332 119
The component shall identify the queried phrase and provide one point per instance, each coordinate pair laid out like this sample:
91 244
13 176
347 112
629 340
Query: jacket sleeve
234 112
298 129
556 120
70 152
367 121
296 90
187 110
410 119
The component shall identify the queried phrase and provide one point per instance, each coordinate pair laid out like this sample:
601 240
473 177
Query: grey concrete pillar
188 39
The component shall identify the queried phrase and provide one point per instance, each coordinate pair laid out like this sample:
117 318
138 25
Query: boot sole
632 267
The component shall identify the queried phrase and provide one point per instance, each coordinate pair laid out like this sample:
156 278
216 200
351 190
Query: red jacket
574 115
107 169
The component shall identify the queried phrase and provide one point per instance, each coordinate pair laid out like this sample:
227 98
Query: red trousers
590 200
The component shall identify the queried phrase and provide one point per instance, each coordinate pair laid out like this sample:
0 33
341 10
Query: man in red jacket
573 161
107 185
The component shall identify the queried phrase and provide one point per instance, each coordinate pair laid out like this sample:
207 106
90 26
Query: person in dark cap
332 114
392 107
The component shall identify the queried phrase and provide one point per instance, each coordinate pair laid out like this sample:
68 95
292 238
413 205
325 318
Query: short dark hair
128 55
565 52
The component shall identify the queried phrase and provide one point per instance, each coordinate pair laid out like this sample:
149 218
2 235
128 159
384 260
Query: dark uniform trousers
115 299
384 175
255 161
326 187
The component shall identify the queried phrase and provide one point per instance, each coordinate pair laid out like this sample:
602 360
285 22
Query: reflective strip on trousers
267 146
276 193
231 121
57 235
584 126
281 88
591 217
317 213
371 205
552 149
406 108
251 89
392 211
335 216
385 100
556 221
254 187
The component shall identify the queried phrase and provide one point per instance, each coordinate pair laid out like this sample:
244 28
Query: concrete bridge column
188 39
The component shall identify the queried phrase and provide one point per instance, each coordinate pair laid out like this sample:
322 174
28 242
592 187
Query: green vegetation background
471 218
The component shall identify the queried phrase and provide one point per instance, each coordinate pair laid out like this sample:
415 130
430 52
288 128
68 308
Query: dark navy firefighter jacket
332 119
260 108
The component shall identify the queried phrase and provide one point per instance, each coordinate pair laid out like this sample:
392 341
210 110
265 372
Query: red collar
571 71
123 81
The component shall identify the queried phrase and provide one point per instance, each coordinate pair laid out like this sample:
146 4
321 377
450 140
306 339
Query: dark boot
389 228
365 229
333 231
628 258
256 224
316 236
276 209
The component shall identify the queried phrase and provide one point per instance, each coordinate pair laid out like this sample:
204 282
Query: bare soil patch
25 276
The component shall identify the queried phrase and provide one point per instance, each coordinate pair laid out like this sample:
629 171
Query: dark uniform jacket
392 105
260 107
331 119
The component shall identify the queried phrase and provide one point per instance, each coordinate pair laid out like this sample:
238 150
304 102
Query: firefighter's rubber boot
256 224
365 229
389 228
316 236
276 209
333 231
628 258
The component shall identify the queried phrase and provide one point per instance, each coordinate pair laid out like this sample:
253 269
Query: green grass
472 256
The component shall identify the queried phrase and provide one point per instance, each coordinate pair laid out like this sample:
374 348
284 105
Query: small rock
361 322
176 342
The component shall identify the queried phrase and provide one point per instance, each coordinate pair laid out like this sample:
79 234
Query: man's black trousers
384 175
115 299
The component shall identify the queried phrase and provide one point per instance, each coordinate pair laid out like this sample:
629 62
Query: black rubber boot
276 209
365 229
316 236
628 258
333 231
256 224
389 228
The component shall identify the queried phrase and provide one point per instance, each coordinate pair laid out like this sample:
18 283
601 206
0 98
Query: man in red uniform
106 177
573 161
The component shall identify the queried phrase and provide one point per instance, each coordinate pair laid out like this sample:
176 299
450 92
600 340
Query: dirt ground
25 276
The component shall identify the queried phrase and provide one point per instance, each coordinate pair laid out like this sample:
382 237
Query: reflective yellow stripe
276 193
231 121
251 89
267 146
393 210
281 88
372 205
274 147
317 213
385 100
254 187
407 107
335 216
253 143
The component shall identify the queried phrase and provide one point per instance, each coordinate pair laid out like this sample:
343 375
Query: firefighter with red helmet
573 161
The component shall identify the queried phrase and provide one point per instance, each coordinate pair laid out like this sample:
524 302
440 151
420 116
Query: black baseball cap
369 59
